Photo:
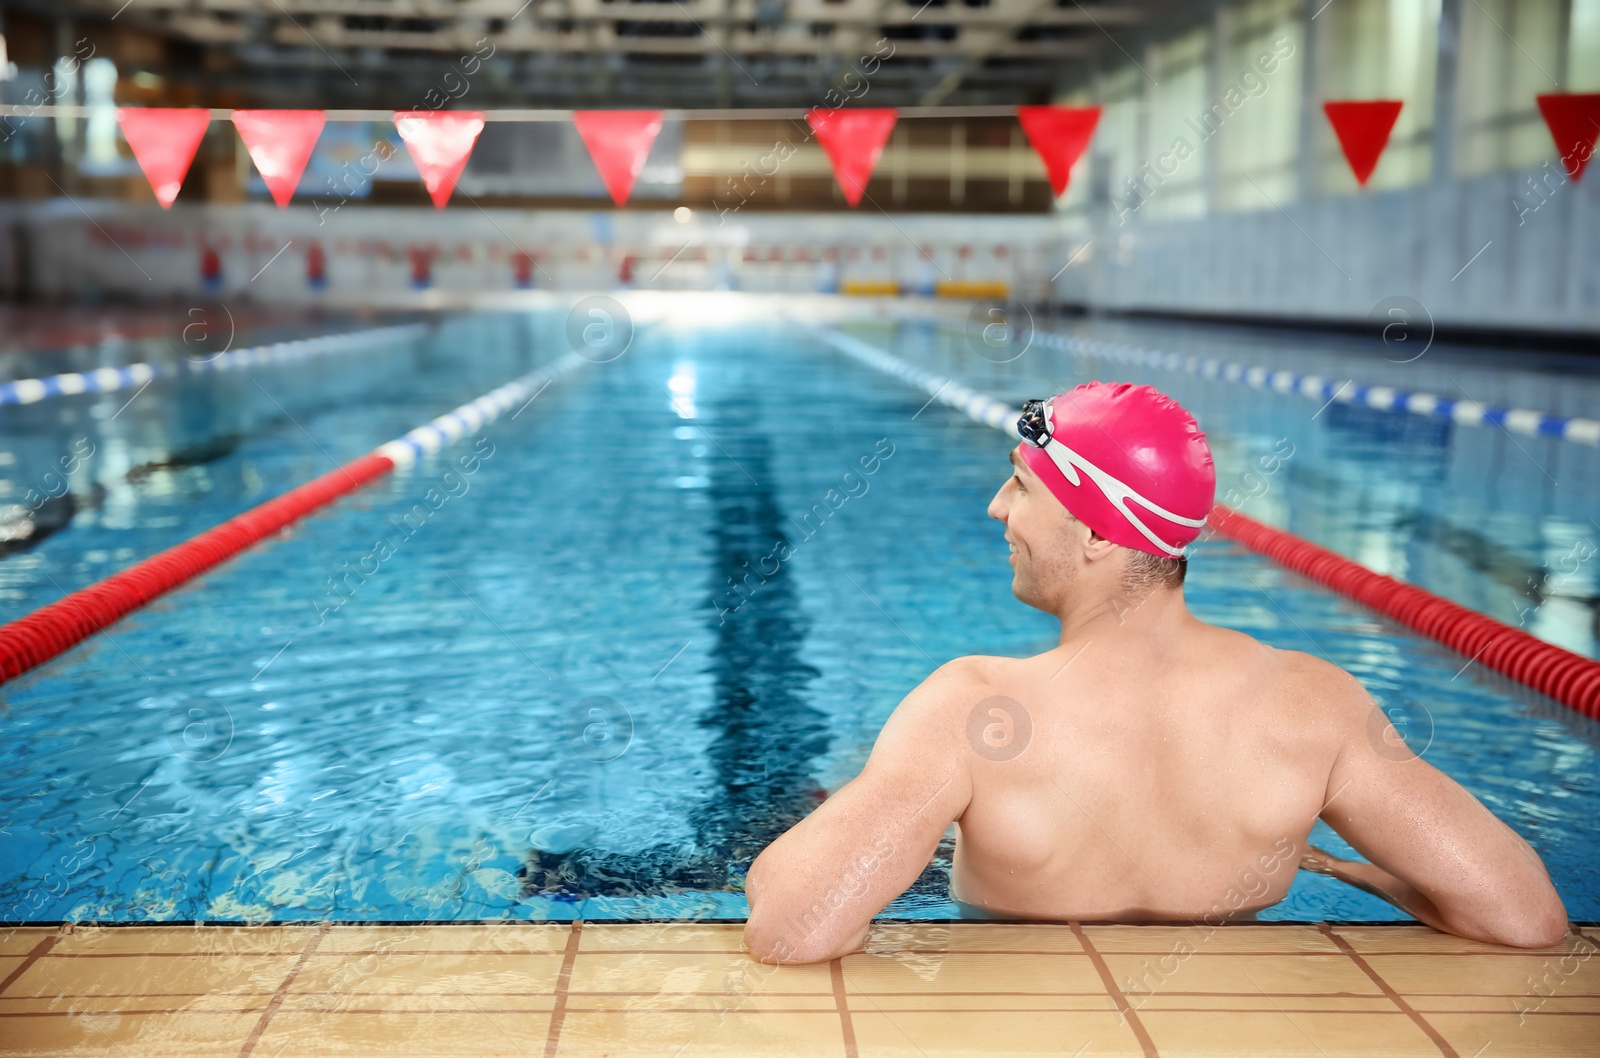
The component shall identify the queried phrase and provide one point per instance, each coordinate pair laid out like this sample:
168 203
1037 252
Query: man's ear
1098 547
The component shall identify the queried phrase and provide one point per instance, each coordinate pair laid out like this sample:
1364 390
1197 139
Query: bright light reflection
682 386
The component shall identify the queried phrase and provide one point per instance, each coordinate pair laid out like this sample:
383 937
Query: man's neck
1143 612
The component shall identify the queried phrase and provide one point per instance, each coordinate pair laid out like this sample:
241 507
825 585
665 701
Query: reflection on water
765 733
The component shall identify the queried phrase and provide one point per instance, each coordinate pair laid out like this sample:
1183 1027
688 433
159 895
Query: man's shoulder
1319 683
956 686
974 674
929 723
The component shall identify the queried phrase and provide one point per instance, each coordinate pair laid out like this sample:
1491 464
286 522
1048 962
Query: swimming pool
551 688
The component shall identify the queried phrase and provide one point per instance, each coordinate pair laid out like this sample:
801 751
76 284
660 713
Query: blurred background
1214 184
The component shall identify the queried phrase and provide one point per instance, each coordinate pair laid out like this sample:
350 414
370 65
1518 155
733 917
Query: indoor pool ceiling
682 53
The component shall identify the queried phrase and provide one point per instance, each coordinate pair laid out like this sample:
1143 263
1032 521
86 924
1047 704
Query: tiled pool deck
686 990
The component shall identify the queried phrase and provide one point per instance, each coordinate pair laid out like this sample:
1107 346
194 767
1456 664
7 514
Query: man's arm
1436 851
813 892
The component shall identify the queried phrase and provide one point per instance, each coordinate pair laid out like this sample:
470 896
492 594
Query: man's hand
1375 880
813 892
1320 861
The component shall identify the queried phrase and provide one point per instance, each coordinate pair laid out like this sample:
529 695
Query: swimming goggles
1036 428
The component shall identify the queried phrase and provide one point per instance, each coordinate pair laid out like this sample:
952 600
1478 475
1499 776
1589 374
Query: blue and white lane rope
1465 412
432 436
111 379
976 406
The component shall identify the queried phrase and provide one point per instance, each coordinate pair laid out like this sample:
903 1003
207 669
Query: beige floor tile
1557 1004
1380 939
1060 1035
978 1004
1507 975
958 937
153 975
1511 1035
20 940
218 1002
965 972
733 1035
124 1036
1141 1002
426 972
661 936
922 989
417 1003
1221 939
491 1032
185 940
721 1003
1245 974
506 937
733 973
1245 1034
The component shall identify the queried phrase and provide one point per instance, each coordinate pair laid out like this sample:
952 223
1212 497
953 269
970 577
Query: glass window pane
1511 51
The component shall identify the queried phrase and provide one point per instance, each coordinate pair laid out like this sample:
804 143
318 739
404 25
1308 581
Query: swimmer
1150 767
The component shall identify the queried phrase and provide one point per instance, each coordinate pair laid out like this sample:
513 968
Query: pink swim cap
1128 461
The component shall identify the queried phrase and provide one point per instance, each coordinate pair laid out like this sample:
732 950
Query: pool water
555 689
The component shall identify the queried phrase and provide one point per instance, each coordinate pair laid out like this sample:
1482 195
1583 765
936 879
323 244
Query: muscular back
1169 772
1169 783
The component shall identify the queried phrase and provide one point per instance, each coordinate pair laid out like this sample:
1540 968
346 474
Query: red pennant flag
1363 128
439 142
164 141
619 142
854 141
1060 135
280 143
1574 121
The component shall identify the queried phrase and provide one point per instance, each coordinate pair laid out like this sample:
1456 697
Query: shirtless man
1150 767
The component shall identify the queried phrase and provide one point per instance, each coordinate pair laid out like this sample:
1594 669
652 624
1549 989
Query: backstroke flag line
164 140
1363 128
439 142
619 141
280 142
1060 135
854 142
1574 121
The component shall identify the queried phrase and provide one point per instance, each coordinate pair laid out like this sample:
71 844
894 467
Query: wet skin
1150 767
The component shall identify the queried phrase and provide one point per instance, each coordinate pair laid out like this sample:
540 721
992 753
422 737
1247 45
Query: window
1173 169
100 135
1583 47
1511 51
1116 141
1254 116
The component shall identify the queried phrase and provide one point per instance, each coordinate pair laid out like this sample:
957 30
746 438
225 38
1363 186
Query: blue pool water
543 700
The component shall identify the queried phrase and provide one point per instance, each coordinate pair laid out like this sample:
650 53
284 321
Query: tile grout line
558 1012
846 1026
1116 994
282 993
1395 997
39 950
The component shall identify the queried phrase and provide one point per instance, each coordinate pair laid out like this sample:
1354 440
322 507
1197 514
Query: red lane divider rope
1571 679
56 628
